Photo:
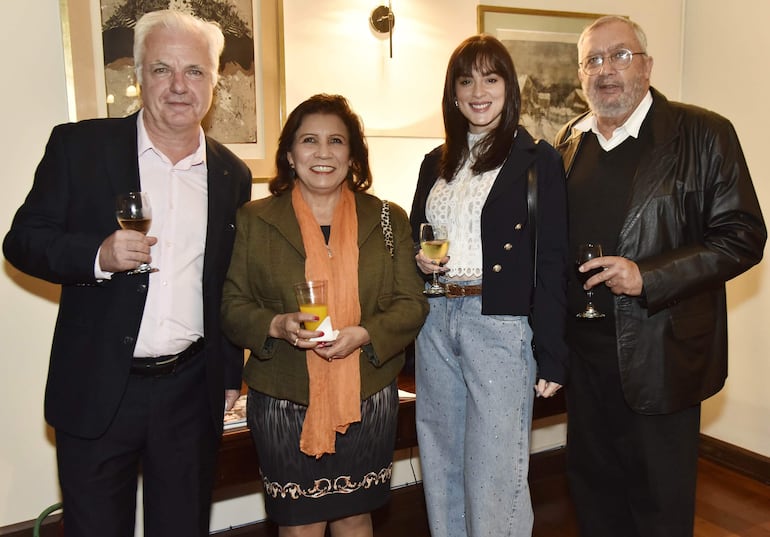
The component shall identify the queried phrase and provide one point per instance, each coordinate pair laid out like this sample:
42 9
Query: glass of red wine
586 252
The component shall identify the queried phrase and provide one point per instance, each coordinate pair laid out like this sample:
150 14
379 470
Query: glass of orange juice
311 297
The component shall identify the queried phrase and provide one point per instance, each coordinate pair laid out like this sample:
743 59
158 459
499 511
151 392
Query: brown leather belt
452 290
165 365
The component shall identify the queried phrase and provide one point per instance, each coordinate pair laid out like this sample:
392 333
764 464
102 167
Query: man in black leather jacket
665 189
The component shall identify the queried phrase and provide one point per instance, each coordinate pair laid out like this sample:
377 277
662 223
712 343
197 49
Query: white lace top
457 205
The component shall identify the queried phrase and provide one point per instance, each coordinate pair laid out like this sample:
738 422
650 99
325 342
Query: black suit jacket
507 248
55 236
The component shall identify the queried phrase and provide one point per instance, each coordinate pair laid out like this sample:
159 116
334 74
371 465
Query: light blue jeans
475 378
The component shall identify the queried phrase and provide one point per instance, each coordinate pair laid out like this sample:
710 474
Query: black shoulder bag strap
532 219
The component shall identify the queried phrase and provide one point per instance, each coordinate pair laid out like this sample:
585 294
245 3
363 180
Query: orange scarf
335 387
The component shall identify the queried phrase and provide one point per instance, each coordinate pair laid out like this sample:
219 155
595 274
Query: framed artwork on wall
249 100
543 47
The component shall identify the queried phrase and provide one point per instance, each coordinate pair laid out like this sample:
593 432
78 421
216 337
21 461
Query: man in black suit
139 371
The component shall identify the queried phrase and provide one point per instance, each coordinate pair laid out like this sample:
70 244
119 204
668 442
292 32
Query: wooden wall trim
49 528
543 464
736 458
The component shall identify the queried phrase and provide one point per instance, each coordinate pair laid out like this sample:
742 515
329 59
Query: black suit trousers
630 475
163 429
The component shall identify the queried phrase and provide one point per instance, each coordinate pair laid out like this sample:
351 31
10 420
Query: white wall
33 97
333 50
726 71
329 48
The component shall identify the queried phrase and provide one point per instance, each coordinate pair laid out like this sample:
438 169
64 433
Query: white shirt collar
144 144
631 127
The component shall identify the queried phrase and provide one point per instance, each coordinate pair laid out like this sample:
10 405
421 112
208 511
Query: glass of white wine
435 245
134 212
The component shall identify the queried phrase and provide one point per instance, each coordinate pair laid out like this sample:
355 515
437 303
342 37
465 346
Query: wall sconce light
382 20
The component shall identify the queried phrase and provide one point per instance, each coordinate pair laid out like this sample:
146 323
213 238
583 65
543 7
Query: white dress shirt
631 127
173 312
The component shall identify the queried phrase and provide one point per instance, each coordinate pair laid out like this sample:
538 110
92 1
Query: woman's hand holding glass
429 266
289 327
432 257
348 340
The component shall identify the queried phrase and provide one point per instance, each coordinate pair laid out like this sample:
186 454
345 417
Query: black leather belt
165 365
452 290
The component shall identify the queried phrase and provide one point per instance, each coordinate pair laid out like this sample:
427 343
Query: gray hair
640 35
177 20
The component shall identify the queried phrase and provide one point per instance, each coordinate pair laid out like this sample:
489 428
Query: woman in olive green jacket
268 259
323 414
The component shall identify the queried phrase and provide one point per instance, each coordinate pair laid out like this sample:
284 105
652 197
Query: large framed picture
249 100
543 47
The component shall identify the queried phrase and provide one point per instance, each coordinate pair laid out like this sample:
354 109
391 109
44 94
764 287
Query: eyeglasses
620 59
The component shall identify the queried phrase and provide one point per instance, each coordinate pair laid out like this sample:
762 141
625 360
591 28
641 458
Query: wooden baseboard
542 466
50 527
404 501
735 458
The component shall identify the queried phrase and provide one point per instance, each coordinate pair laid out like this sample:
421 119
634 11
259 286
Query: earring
457 105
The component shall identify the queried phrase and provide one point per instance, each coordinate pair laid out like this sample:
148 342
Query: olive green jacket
269 257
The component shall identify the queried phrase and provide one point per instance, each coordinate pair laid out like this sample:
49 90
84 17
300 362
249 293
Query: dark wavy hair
487 55
359 176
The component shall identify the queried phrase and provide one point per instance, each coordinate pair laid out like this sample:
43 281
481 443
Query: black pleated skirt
300 489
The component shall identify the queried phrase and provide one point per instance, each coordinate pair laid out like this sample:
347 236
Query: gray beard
622 106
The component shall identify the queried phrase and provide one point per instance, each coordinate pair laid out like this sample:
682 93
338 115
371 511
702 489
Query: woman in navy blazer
475 370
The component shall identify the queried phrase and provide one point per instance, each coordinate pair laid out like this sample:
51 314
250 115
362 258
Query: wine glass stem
435 279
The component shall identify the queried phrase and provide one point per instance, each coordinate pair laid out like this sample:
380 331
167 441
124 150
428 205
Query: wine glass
435 245
586 252
133 212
